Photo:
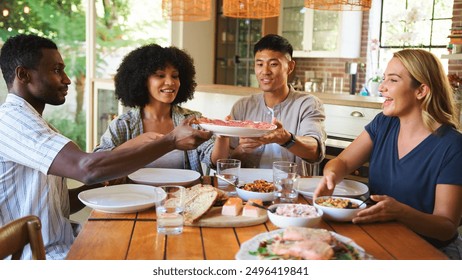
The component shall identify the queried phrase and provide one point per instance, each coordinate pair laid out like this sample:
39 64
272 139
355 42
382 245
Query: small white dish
125 198
285 221
339 214
246 195
164 176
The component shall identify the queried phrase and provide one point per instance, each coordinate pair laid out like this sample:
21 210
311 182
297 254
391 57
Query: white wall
198 39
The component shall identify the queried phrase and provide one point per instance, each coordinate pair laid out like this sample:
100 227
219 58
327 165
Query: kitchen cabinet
343 124
347 122
317 33
234 49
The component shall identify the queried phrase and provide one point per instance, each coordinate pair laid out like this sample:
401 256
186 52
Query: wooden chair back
15 235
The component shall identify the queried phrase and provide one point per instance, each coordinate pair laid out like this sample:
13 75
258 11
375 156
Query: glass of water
228 169
170 210
285 179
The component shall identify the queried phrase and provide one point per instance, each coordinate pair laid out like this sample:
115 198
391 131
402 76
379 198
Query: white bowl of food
258 189
297 215
340 209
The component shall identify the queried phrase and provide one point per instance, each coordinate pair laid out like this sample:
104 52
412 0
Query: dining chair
16 234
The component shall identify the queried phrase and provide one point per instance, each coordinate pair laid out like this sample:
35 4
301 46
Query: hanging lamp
251 9
339 5
187 10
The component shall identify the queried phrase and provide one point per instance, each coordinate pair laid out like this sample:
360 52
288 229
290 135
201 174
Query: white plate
346 188
251 245
164 176
126 198
235 131
248 175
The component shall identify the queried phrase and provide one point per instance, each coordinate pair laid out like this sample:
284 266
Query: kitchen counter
327 98
373 102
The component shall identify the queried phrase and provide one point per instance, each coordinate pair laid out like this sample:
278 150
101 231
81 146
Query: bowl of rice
298 215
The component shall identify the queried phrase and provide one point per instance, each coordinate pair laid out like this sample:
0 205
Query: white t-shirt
300 113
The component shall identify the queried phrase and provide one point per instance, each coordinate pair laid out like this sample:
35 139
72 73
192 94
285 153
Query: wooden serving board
213 218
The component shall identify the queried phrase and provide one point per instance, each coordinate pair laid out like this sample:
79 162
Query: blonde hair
439 105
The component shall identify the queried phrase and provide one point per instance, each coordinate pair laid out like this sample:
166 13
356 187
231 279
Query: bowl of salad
340 209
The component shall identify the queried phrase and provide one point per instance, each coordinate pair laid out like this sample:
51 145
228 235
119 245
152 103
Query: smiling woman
419 184
154 81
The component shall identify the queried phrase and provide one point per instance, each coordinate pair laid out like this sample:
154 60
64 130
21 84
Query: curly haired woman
153 81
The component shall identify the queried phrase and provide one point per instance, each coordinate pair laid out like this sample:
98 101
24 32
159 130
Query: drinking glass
285 178
337 85
170 210
229 169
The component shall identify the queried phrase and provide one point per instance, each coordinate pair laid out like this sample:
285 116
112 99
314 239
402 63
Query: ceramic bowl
246 195
283 221
339 214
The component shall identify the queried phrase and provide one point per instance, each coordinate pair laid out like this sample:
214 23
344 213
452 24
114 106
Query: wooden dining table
133 236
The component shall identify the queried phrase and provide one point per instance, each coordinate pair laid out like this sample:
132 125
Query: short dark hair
22 50
132 75
275 43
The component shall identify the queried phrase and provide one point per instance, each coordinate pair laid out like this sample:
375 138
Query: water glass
169 210
285 178
229 169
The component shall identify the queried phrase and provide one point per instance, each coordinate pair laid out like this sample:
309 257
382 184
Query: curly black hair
132 75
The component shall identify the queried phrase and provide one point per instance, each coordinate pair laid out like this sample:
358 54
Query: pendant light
339 5
251 9
187 10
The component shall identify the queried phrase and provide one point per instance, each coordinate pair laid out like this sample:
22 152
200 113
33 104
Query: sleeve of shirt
29 141
203 151
373 127
312 123
115 135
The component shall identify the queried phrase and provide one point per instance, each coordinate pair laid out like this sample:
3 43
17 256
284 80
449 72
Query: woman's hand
386 209
326 186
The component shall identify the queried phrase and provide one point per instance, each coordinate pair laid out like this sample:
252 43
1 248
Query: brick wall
337 65
455 66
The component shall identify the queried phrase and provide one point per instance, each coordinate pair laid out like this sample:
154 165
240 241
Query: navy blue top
412 179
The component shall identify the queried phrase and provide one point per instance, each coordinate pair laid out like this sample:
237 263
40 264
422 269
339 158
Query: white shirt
271 152
28 147
300 113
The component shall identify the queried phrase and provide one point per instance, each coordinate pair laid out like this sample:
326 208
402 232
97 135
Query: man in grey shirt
299 136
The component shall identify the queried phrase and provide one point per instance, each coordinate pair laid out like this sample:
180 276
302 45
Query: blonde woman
414 151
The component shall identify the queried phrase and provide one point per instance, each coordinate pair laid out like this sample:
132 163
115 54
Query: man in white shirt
300 135
35 159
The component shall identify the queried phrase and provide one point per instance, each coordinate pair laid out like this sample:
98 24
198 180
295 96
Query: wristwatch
289 143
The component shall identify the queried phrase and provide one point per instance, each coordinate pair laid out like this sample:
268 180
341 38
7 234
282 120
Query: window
418 24
122 25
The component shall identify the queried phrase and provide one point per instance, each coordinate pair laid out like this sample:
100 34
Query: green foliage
74 130
63 21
